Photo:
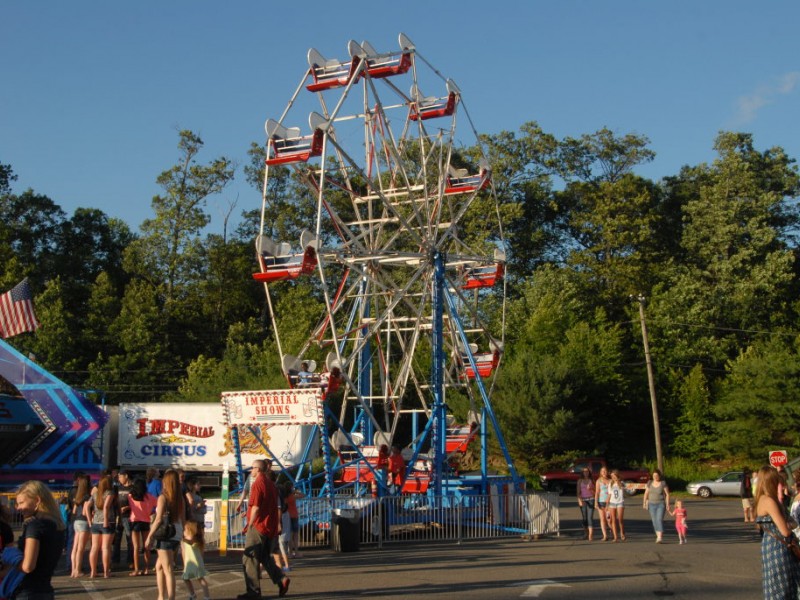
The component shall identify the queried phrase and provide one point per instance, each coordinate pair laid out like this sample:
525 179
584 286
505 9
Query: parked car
727 485
565 480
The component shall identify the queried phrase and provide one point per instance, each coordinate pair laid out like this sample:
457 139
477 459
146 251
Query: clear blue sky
93 92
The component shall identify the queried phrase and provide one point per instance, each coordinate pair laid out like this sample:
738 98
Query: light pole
651 382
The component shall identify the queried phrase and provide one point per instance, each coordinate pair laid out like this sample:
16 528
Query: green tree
249 362
140 367
759 402
737 271
170 254
560 386
29 231
694 431
613 225
52 344
7 175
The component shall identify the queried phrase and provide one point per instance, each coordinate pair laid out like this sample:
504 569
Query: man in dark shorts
261 537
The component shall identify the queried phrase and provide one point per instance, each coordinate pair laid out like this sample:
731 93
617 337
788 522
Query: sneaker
283 587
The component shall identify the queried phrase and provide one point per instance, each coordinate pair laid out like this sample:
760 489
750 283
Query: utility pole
651 383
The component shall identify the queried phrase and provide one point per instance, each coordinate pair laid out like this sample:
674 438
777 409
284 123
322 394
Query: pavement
720 560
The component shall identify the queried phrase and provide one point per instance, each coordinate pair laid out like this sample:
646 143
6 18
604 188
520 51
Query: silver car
727 485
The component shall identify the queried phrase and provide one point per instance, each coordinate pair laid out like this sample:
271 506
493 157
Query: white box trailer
194 437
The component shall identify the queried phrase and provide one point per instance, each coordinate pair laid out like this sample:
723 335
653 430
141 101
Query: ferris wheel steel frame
370 245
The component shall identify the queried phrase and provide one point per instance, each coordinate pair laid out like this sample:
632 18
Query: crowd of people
167 515
768 499
97 517
606 495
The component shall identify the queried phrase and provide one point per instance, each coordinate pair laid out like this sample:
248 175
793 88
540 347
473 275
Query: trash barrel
346 530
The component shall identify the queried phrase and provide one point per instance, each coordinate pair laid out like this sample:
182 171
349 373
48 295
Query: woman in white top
616 506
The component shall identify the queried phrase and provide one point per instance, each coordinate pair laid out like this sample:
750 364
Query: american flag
16 311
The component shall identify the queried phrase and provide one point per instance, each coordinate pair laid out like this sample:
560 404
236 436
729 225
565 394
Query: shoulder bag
791 543
166 529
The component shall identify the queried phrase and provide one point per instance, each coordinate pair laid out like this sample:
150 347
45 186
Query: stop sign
778 458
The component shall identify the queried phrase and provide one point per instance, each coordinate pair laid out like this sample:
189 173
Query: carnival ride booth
279 262
483 276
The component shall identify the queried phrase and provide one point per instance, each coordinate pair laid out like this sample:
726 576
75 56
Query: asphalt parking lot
720 560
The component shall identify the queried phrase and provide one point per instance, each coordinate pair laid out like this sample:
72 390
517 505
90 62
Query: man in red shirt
261 538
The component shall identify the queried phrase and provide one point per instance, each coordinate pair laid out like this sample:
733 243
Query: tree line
169 312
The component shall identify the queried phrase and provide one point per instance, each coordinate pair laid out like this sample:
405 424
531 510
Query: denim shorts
142 526
81 526
168 545
97 529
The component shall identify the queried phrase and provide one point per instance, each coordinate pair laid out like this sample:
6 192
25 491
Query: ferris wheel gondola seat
278 262
486 363
483 277
288 146
459 181
417 482
458 438
430 107
331 73
388 64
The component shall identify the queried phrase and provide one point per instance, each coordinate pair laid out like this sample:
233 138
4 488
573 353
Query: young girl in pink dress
680 520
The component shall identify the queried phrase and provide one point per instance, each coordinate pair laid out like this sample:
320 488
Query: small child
194 567
680 521
285 539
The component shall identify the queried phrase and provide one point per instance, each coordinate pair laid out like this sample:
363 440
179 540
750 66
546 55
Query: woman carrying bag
170 508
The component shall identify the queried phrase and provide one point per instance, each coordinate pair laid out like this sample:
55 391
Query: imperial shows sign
302 406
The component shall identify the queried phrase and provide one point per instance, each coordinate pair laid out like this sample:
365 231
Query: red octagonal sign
778 458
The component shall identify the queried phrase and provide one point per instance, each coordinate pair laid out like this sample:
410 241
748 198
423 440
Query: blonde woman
80 523
601 499
616 506
100 513
780 570
171 505
41 541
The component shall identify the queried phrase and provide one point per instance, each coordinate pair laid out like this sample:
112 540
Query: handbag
792 543
166 529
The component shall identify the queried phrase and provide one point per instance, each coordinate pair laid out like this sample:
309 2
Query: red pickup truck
564 481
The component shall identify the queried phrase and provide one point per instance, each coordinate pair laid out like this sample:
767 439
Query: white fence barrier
348 521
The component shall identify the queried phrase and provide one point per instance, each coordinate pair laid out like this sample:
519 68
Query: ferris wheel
407 253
